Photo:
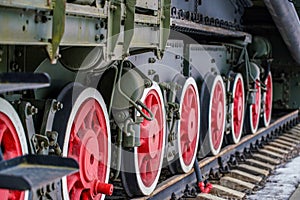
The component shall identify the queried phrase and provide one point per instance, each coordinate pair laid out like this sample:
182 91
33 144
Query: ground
282 184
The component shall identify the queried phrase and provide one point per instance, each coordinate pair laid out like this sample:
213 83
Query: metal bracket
26 111
51 107
58 28
129 24
54 148
172 107
46 144
40 144
165 26
114 22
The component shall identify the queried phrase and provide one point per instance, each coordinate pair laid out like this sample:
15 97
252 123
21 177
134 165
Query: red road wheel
267 101
12 143
253 111
87 140
141 166
237 108
188 127
213 104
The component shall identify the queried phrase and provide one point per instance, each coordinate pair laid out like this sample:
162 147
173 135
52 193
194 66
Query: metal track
175 186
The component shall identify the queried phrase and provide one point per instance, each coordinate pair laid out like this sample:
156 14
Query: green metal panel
129 24
29 27
114 25
58 28
165 23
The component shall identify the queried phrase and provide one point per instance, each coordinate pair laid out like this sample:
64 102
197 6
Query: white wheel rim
186 168
146 190
217 79
7 109
83 96
252 126
267 121
237 78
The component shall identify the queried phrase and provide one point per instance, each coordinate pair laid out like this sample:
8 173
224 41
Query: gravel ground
282 183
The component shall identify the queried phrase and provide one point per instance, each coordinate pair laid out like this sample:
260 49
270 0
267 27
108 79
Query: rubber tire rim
130 173
237 108
268 100
186 164
74 97
11 125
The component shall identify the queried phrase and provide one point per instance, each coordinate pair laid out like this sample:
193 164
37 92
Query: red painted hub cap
217 115
268 100
189 125
256 106
238 107
11 148
89 146
152 133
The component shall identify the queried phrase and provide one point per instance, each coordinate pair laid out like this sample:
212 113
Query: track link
240 169
250 174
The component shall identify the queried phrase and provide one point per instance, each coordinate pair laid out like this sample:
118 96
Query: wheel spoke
83 121
3 128
99 131
216 137
155 110
143 163
190 100
153 166
148 170
186 110
184 138
145 127
73 180
149 101
76 191
89 120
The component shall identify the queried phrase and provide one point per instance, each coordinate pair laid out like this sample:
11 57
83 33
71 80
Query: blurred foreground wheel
141 166
85 137
12 143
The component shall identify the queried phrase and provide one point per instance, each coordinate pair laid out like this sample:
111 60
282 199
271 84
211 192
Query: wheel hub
154 138
220 116
89 158
240 107
192 125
